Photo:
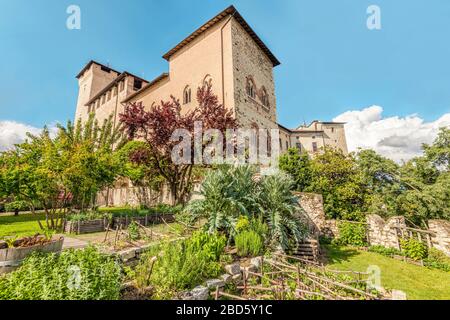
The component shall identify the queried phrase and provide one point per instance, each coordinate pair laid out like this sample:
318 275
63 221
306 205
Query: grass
23 225
419 283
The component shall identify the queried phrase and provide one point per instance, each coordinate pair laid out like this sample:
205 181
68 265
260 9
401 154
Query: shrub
72 275
388 252
17 205
353 234
249 243
242 223
437 259
413 248
183 264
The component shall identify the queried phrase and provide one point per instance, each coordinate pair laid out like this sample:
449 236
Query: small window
299 146
137 84
98 103
105 69
281 144
251 90
314 146
187 95
103 99
332 130
114 91
109 95
264 98
121 85
287 145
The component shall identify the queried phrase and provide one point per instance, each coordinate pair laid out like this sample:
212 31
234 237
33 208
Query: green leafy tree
298 165
336 176
439 152
63 172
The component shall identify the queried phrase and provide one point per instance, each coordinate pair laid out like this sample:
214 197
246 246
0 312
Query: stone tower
91 80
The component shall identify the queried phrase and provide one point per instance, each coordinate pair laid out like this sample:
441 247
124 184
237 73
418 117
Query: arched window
187 95
207 80
251 88
264 97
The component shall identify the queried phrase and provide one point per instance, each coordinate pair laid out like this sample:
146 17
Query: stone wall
384 233
379 232
441 237
314 217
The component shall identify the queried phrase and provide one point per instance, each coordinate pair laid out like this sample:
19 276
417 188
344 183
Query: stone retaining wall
379 231
441 237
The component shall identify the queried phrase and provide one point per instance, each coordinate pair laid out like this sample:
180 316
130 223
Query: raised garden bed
12 257
149 219
89 226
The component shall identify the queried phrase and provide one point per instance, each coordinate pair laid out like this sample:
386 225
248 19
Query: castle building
227 52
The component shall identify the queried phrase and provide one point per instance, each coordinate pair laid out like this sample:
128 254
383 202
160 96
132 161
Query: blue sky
331 62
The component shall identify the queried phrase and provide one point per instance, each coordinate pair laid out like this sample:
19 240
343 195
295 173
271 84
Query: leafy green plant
278 208
438 260
73 275
231 196
183 264
249 243
88 216
353 234
133 231
413 248
242 223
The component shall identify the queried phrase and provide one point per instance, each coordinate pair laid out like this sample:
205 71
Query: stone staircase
307 250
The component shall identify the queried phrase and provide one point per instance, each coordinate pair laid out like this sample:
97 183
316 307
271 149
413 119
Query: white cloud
394 137
12 132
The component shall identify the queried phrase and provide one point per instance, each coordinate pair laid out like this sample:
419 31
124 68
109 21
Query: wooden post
429 241
245 282
217 293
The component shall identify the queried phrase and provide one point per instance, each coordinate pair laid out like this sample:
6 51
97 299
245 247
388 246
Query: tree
381 179
58 174
336 176
137 166
298 165
439 152
156 126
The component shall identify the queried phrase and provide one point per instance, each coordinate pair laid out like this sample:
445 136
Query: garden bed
83 227
12 257
148 219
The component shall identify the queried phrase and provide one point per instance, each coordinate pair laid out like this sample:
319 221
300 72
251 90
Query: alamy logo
238 147
374 19
73 21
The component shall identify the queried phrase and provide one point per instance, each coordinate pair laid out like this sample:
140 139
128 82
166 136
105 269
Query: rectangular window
332 130
287 145
314 146
103 99
281 144
109 95
115 91
121 85
299 146
137 84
